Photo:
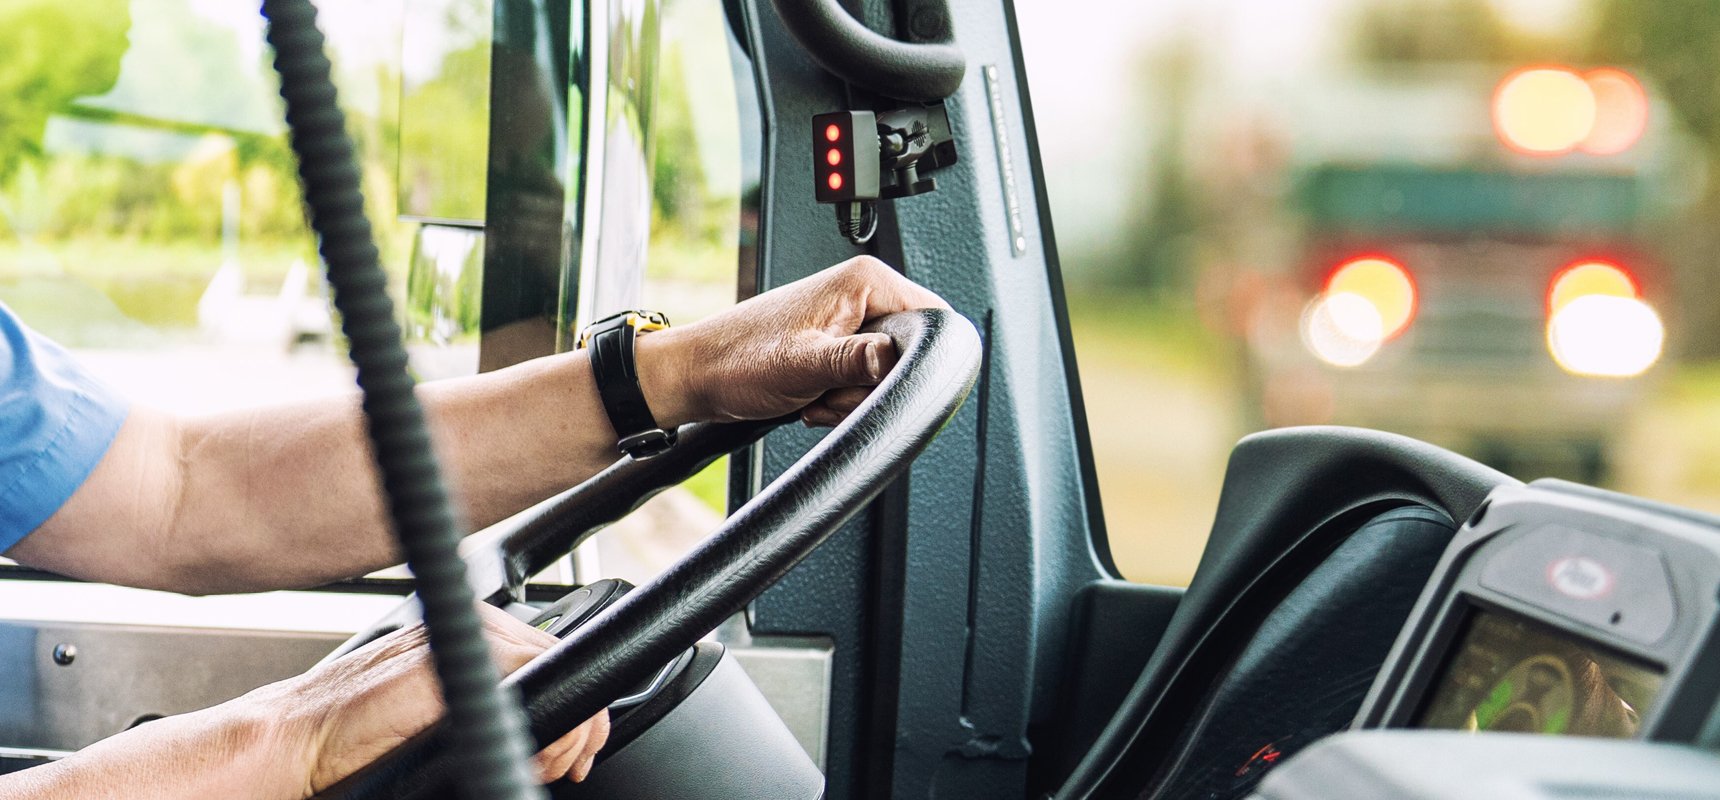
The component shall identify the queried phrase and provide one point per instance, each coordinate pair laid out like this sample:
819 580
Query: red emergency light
1590 276
1385 283
845 156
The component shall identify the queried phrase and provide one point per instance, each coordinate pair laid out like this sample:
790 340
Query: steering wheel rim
939 360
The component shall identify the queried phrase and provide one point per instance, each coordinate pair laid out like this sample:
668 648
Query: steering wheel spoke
501 558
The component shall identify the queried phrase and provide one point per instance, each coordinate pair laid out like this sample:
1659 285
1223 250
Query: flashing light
845 157
1598 324
1621 112
1586 278
1607 336
1544 110
1381 282
1343 329
1552 110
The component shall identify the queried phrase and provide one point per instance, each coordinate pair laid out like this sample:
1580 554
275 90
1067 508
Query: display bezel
1684 567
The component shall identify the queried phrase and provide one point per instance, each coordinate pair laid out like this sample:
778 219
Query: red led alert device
845 156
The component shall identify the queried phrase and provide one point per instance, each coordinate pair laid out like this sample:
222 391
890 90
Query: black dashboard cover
1303 675
1290 497
1453 765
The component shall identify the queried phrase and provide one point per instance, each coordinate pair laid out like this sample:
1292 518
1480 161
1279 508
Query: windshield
1484 223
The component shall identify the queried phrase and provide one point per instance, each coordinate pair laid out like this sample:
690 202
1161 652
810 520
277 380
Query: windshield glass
150 216
1484 223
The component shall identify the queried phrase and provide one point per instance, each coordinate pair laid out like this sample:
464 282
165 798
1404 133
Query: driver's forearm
287 496
220 753
313 511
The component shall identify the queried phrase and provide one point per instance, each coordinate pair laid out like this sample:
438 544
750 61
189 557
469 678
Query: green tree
1675 45
53 52
449 138
1447 32
1424 31
678 178
1158 255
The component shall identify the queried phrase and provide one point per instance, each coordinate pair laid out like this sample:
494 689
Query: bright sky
1084 64
357 29
355 26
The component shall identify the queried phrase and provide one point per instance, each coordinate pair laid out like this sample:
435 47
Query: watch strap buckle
647 443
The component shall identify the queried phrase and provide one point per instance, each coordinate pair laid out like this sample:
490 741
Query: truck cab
1468 237
931 600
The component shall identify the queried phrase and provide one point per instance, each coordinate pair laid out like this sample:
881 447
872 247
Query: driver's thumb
859 360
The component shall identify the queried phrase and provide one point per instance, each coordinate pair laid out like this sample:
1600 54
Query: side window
703 216
150 216
1482 223
149 207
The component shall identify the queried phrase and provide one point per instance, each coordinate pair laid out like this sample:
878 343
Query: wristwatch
610 341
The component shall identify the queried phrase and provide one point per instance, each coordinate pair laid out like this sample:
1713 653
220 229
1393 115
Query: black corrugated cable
487 724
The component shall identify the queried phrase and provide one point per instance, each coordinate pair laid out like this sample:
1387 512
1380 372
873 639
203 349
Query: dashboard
1510 674
1562 610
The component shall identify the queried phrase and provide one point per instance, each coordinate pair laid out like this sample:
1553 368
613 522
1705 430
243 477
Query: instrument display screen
1511 674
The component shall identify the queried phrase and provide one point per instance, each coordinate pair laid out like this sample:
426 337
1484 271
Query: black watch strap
611 345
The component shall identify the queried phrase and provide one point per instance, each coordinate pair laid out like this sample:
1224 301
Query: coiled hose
488 726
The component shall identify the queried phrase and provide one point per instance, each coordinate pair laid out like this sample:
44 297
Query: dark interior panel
1116 626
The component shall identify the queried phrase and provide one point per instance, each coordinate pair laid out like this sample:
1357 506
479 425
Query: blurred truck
1473 261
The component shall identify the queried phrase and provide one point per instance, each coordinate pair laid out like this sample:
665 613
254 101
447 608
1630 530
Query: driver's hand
369 702
796 348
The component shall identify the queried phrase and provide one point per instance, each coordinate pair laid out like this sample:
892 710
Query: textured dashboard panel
1289 497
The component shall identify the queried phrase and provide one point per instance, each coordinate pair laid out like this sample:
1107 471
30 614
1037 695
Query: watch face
641 320
647 320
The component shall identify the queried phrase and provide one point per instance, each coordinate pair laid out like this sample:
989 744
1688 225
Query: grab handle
922 72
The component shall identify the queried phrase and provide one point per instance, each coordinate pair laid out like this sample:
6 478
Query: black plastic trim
689 675
1284 493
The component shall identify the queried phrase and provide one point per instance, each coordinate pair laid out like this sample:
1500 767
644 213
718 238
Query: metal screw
65 654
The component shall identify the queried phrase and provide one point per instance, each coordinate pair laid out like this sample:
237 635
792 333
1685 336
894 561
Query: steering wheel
940 354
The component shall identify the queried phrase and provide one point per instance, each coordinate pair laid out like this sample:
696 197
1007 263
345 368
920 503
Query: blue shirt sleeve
56 422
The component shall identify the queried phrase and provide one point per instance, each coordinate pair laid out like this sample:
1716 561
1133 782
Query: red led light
1263 758
1621 112
833 157
832 133
1592 276
835 181
1384 283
